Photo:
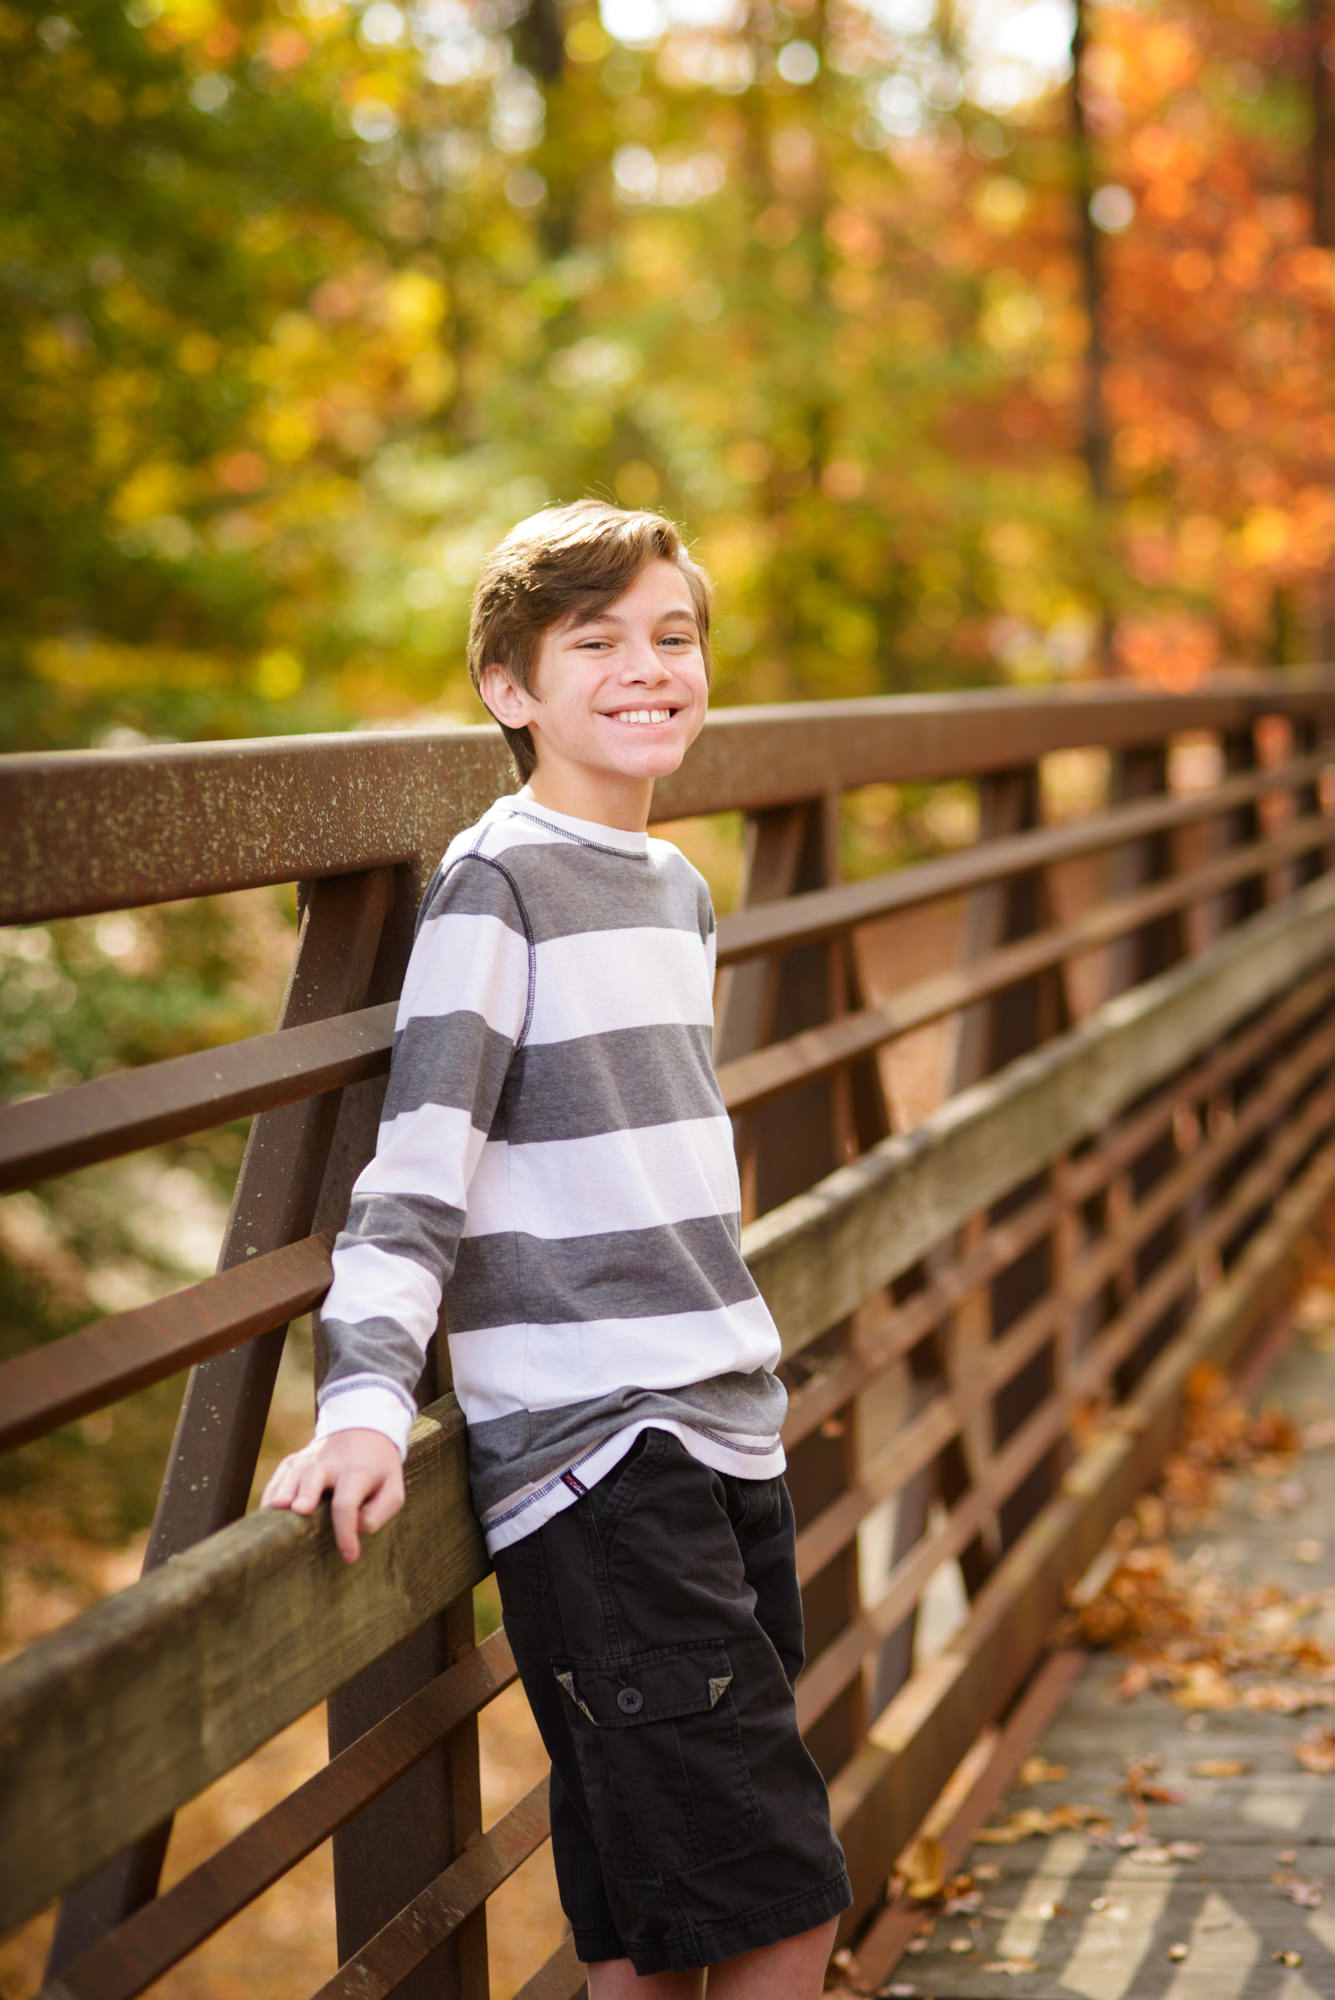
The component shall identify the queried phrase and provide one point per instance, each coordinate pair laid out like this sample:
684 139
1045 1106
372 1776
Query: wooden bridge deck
1225 1888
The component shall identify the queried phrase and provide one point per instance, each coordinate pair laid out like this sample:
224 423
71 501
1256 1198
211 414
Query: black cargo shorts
657 1628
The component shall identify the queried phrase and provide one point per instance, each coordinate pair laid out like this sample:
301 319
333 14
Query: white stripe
598 981
471 963
500 1369
371 1283
433 1150
366 1406
614 1180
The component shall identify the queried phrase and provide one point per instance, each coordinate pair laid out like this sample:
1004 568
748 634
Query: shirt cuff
366 1408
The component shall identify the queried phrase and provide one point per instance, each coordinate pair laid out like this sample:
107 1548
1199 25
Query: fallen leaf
966 1905
987 1871
1185 1850
1308 1551
1275 1698
922 1871
1307 1895
1288 1958
1206 1686
1316 1750
1014 1966
961 1944
1178 1951
1221 1767
1031 1822
1036 1770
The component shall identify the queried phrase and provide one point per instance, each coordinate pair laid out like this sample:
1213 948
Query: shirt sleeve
462 1014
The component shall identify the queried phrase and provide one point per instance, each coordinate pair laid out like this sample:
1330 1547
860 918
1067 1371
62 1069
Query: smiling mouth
639 716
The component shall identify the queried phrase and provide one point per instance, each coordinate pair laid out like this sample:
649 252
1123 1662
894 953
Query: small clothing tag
576 1486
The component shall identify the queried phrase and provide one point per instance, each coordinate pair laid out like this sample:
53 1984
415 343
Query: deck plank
1080 1915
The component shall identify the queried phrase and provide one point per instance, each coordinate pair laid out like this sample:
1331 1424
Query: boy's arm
463 1012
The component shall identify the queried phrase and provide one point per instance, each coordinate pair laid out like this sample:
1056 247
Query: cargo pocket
659 1748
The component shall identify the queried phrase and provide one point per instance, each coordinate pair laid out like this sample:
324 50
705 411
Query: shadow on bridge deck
1223 1888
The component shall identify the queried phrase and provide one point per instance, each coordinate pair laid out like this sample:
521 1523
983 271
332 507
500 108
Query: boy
555 1160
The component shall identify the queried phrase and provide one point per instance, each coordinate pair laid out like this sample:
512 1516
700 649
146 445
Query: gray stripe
510 1279
527 1446
406 1225
568 888
483 890
378 1348
453 1059
617 1082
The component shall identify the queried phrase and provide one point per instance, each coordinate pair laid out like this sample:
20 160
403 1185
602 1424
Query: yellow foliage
295 333
262 233
1000 204
157 487
105 666
431 378
585 40
198 352
289 434
277 674
191 18
415 304
1265 536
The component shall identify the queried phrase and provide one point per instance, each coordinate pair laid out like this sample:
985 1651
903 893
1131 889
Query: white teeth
645 715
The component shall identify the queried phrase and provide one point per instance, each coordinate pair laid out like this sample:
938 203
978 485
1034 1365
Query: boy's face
617 700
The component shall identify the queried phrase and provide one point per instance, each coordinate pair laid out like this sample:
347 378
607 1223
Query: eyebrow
609 617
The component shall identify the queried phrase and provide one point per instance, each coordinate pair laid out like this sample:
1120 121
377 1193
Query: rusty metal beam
561 1978
62 1380
754 758
117 1114
827 1675
226 1402
439 1910
820 913
879 1801
89 830
165 1931
755 1079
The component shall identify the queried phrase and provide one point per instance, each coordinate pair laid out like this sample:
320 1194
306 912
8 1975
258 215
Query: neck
624 806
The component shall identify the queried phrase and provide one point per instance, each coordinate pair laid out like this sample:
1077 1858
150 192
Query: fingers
382 1505
300 1479
361 1472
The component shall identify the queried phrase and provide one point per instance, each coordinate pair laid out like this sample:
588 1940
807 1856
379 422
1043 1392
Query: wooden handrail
183 1642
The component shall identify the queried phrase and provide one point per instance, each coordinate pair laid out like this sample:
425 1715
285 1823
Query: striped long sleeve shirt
555 1168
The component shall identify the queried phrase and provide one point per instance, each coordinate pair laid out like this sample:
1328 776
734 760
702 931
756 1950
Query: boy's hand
362 1472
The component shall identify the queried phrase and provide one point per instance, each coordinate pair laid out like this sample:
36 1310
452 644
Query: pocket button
629 1700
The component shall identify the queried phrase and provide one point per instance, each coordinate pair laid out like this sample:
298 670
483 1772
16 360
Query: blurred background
973 341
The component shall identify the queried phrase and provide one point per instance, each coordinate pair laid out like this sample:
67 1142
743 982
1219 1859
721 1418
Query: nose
645 665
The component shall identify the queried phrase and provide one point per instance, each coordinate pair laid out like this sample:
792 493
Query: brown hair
562 564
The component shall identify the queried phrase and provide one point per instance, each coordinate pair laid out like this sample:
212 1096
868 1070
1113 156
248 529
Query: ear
507 702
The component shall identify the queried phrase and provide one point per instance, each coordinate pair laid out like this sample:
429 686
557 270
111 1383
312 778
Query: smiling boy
555 1164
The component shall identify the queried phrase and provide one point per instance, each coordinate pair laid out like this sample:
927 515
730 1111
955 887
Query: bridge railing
988 1313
